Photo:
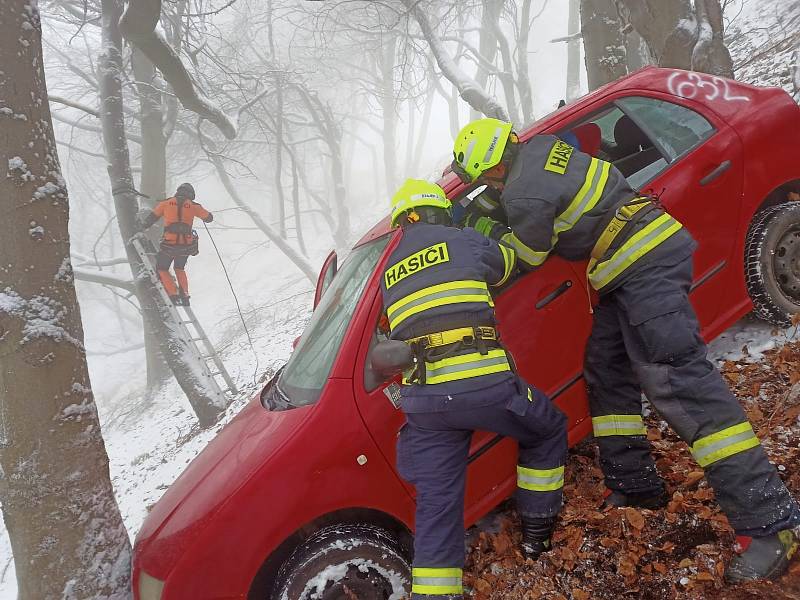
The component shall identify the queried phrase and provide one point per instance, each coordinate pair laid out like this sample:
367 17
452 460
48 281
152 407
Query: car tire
343 562
772 263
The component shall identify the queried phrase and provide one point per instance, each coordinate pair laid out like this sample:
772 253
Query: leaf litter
679 552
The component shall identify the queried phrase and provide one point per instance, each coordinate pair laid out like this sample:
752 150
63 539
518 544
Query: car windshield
305 374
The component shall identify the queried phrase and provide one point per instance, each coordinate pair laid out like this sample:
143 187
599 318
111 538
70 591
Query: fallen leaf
579 594
483 586
693 477
635 518
686 562
704 576
660 567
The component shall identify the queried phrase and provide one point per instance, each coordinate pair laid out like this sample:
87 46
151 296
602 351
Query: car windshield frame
309 367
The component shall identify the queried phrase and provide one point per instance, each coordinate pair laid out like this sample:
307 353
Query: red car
299 498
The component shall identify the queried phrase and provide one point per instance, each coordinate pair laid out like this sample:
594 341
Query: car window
305 374
676 129
614 136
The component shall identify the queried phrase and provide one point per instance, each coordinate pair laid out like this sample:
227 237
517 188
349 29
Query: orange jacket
178 219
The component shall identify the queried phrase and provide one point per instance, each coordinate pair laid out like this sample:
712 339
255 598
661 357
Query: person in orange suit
179 240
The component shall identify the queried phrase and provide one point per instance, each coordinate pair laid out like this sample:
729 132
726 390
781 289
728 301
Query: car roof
725 97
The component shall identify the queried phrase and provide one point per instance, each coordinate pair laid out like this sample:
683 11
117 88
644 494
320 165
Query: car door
693 161
544 321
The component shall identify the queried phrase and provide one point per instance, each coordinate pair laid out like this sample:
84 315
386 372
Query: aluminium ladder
181 323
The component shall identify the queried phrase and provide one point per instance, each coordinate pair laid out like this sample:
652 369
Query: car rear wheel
345 562
772 263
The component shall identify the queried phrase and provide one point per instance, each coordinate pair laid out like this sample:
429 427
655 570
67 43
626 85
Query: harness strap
623 216
467 335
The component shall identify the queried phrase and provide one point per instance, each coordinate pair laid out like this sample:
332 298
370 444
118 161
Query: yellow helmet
415 193
478 147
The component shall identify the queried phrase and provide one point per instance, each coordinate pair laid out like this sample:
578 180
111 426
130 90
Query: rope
236 299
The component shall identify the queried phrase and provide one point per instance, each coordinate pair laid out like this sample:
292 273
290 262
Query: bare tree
469 89
574 51
66 531
203 400
138 25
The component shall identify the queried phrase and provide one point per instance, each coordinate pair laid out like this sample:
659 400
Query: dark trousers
432 453
646 338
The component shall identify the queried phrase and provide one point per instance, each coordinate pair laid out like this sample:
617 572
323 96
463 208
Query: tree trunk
636 51
523 78
573 52
487 45
66 532
603 42
386 62
153 184
203 400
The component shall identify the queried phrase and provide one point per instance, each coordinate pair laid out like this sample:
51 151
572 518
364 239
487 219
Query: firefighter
436 293
645 335
179 240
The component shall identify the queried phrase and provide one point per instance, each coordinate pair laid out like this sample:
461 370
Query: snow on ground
151 439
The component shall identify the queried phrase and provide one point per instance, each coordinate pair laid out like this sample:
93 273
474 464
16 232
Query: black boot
536 533
651 500
762 557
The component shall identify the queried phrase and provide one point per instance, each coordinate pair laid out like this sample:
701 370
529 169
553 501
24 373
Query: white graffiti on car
710 87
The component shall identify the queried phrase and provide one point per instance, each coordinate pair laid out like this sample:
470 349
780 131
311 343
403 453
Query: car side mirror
391 357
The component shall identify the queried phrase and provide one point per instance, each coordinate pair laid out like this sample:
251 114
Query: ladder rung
215 373
197 339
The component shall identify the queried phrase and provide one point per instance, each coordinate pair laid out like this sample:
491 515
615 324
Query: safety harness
182 230
448 355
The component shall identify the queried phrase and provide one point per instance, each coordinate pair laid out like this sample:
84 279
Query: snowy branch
568 38
468 88
103 279
138 25
73 104
83 260
132 137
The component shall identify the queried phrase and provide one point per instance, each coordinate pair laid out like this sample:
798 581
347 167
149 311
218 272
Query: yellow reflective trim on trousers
436 582
540 480
725 443
509 258
618 425
452 292
466 366
525 253
586 198
639 244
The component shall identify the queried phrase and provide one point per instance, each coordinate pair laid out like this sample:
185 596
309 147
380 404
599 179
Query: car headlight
150 588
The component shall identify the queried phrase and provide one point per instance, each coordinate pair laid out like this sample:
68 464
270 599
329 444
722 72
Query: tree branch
103 279
138 25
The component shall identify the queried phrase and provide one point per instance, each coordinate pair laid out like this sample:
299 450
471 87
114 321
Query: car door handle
718 170
554 294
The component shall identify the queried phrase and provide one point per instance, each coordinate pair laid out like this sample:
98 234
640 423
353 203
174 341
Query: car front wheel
772 263
345 562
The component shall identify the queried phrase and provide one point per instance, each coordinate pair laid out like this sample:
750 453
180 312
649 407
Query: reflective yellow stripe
465 366
509 258
618 425
586 198
525 253
540 480
725 443
435 582
633 249
452 292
